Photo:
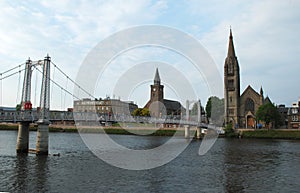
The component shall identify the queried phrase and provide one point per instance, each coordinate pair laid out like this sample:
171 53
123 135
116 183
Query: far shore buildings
158 105
240 110
106 107
294 116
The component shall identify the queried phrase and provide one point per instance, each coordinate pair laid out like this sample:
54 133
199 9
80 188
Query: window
231 111
294 111
230 69
294 118
249 105
230 84
230 66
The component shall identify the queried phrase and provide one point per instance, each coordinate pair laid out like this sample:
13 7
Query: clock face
154 89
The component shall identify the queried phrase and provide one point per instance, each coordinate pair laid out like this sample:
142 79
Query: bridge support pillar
23 138
187 131
198 132
42 138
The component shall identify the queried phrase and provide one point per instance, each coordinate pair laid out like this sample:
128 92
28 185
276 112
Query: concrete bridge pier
23 138
42 138
198 132
187 131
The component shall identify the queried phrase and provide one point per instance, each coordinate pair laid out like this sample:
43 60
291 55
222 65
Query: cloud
67 30
265 34
266 43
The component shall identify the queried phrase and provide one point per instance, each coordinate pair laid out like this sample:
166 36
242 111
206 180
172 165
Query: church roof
249 89
156 77
172 105
267 100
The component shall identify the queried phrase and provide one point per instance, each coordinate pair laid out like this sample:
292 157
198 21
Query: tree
269 114
18 107
136 112
141 112
145 112
215 110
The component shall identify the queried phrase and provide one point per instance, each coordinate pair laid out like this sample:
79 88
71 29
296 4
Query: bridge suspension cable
19 66
86 92
2 78
18 88
61 87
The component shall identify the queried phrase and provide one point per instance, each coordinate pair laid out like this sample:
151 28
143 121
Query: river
231 165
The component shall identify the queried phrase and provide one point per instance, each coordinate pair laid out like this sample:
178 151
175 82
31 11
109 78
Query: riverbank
107 130
242 133
270 134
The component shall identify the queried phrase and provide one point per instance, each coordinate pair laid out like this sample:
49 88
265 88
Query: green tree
141 112
269 114
145 112
18 107
136 112
215 110
229 131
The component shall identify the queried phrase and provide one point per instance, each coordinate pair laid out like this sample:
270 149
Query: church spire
261 91
157 78
230 46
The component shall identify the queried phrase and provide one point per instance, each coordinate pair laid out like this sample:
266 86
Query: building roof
267 100
172 105
249 89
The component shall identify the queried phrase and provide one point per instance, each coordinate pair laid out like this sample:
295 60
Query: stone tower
231 85
157 90
156 102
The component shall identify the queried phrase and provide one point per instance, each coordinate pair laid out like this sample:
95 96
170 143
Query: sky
265 37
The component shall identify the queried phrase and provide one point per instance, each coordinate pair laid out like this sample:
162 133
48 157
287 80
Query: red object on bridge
27 105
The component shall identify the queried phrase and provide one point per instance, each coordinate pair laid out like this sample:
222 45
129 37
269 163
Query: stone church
158 106
240 110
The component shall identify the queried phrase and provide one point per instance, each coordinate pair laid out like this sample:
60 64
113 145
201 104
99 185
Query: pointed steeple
157 78
231 51
261 91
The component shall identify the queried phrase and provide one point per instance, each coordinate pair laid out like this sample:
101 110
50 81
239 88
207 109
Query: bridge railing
32 116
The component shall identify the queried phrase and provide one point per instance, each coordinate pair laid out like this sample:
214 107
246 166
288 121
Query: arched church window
230 66
249 106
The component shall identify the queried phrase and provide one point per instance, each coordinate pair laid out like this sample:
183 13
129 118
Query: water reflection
246 160
232 165
41 172
31 173
21 174
140 143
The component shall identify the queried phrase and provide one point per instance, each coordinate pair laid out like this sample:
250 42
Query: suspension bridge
24 114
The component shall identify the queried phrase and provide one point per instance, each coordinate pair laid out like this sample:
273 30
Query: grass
264 134
118 131
271 134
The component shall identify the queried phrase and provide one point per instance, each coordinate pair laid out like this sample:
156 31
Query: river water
232 165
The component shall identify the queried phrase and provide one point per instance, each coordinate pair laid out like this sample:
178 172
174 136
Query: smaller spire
157 78
261 91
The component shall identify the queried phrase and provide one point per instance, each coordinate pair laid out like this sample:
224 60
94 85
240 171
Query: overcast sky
266 38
